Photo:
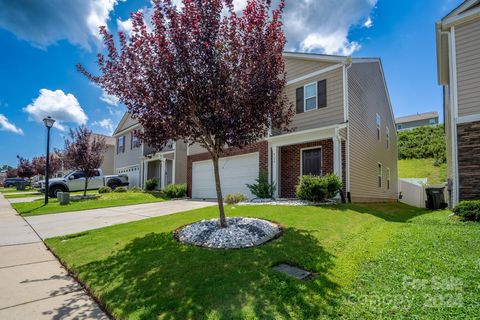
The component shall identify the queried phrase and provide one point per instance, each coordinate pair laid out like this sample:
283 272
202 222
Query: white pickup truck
75 181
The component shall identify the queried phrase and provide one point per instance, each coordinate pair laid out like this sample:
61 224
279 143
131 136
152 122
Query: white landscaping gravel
239 233
285 202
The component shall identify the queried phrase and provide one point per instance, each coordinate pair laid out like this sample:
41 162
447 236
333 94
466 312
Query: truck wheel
113 185
54 190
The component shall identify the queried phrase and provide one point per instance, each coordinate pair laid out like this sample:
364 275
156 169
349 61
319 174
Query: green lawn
106 200
422 168
38 194
14 190
360 254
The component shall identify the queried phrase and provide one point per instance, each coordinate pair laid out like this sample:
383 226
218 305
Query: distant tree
25 168
423 143
11 173
55 163
5 167
203 74
84 152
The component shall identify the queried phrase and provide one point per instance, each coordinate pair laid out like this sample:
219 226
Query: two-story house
417 120
141 162
344 124
458 60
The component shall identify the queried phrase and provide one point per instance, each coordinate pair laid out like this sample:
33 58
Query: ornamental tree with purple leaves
25 168
84 152
202 73
54 164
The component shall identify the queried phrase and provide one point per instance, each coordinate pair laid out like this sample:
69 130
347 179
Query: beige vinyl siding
295 68
367 97
196 149
129 157
317 118
180 162
468 67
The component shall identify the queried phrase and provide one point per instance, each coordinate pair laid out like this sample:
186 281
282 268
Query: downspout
347 113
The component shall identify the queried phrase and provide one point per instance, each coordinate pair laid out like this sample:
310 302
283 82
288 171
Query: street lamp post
48 121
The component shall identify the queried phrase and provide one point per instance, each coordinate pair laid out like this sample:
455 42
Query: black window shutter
322 94
300 107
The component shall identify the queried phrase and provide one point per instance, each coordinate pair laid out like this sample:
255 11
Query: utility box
63 198
21 185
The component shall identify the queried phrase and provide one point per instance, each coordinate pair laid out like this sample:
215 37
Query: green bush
468 210
120 189
262 189
317 189
175 191
135 189
151 184
104 189
423 143
235 198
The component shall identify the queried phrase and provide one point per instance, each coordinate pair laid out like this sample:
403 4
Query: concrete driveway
52 225
33 284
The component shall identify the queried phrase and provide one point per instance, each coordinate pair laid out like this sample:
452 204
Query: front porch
160 166
316 152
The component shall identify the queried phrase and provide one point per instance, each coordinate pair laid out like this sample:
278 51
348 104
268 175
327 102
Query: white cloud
125 26
369 23
6 125
46 22
109 99
106 124
64 108
324 25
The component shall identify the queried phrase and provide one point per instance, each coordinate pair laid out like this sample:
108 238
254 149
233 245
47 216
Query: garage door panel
235 173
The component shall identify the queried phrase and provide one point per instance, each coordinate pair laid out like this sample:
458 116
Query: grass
106 200
14 190
422 168
38 194
357 252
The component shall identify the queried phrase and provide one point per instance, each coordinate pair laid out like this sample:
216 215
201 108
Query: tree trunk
223 221
86 186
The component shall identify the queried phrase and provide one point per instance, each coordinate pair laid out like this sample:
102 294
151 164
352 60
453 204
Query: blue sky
41 42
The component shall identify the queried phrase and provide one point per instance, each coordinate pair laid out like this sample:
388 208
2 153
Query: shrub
175 190
135 189
104 189
468 210
235 198
151 184
262 189
316 188
120 189
423 143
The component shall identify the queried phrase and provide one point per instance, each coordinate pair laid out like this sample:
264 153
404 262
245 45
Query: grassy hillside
422 168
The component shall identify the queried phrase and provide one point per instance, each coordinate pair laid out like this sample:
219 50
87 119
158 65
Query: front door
312 162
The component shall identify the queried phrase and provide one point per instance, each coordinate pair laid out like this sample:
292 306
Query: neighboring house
344 124
458 58
108 158
3 176
416 120
141 162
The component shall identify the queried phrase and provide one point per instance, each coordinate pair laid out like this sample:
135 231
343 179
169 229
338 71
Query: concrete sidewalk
33 284
29 199
52 225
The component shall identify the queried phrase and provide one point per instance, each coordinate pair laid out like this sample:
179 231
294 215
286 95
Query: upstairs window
432 121
387 133
121 144
310 96
379 174
379 125
134 141
399 127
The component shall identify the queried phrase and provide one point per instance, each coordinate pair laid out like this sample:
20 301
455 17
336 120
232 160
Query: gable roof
417 117
468 10
122 125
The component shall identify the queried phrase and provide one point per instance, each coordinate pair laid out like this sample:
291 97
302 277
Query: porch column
275 169
145 172
337 156
163 172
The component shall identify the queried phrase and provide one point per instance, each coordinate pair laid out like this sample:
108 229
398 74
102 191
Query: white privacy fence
413 191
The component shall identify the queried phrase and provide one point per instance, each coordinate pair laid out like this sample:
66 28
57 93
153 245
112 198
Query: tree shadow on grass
389 211
155 276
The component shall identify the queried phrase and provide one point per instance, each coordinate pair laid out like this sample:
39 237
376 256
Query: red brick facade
260 147
468 137
290 164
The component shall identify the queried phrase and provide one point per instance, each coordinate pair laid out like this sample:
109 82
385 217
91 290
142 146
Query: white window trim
305 96
321 159
380 175
379 126
387 133
388 179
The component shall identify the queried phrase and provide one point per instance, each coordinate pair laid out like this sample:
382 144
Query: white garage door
133 174
235 173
